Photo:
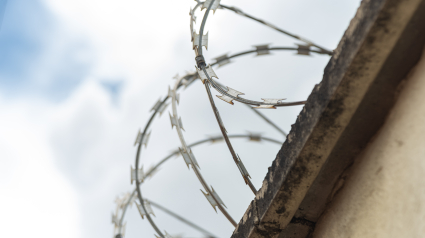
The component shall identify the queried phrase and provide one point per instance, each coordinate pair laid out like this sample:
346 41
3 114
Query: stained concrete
384 194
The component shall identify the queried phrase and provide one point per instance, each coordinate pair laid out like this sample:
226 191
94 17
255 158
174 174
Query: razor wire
205 73
128 199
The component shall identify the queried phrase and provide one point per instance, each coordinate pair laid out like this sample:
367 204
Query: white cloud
36 198
132 38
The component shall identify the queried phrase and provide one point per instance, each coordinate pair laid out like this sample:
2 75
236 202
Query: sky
77 81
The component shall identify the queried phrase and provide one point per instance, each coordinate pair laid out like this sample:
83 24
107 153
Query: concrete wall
384 192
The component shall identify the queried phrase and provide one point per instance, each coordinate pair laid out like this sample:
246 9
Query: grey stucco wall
384 193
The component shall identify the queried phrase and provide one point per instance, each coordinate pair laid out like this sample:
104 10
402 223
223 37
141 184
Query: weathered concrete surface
384 195
381 45
368 117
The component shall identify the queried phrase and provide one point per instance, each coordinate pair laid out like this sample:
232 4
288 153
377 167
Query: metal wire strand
263 117
212 139
193 164
124 210
139 193
229 145
240 12
182 219
201 30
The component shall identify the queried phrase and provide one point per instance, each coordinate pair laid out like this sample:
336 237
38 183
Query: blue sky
27 31
77 81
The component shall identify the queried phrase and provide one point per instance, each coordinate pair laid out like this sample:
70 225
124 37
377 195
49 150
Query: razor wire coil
205 73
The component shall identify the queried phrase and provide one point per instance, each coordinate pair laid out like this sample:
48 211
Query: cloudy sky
77 81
